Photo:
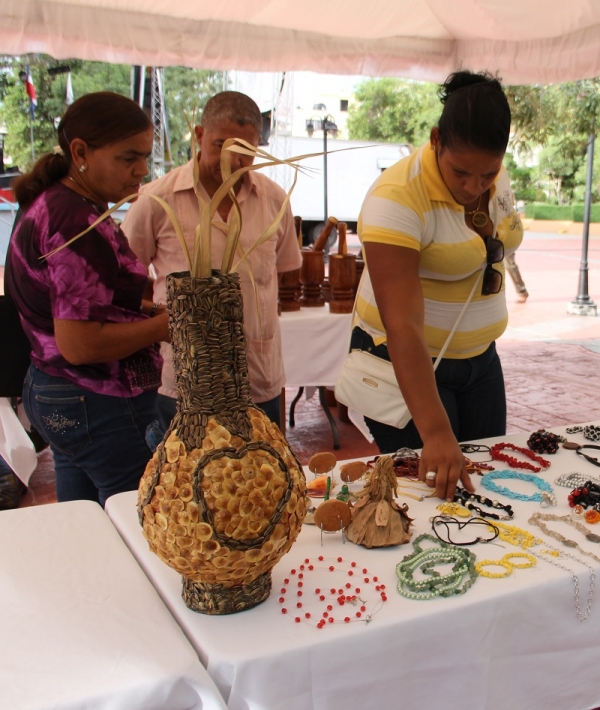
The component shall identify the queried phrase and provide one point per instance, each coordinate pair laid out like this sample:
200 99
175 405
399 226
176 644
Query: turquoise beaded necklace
435 584
546 497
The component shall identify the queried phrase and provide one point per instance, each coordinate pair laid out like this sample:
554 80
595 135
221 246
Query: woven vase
223 497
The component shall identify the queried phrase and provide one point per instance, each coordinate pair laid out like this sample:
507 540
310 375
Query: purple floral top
97 278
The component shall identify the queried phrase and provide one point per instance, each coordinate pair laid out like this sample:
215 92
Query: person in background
91 388
515 274
229 114
429 226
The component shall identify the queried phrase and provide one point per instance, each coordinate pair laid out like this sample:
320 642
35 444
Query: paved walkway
551 359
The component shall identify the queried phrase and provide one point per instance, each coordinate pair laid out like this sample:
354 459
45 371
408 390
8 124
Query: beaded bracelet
406 463
586 495
496 453
545 498
544 442
591 432
435 584
446 521
453 508
468 499
505 562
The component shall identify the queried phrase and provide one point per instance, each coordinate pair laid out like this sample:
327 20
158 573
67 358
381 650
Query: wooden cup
342 277
289 283
312 274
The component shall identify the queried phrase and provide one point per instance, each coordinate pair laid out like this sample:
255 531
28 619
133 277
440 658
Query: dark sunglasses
492 278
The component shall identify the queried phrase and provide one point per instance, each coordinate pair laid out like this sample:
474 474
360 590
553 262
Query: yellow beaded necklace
517 536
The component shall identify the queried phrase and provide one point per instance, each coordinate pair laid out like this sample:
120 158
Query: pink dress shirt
152 238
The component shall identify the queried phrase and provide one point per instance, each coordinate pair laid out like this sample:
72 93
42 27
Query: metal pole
325 168
583 305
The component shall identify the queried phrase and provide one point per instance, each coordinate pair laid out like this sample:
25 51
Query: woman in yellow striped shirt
429 225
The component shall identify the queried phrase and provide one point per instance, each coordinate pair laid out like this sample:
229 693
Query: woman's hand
441 454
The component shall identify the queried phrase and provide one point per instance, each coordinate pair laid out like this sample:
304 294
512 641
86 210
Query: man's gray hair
231 107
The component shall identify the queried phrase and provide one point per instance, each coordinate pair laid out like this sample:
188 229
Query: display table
81 627
506 643
315 343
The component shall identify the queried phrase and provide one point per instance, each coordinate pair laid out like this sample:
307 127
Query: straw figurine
377 520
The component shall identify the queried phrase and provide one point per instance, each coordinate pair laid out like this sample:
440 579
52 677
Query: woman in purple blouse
91 387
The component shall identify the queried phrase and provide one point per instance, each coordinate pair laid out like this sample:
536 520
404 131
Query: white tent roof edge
118 35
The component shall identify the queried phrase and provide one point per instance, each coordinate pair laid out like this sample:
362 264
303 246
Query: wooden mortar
342 275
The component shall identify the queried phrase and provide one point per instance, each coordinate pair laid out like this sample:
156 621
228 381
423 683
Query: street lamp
327 125
582 304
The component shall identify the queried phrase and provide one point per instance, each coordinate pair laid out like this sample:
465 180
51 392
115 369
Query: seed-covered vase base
216 599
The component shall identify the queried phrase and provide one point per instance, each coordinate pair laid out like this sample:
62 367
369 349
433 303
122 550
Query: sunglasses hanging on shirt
492 278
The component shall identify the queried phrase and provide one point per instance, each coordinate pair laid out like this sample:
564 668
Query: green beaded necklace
435 584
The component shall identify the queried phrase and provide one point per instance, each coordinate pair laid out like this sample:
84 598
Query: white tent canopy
525 41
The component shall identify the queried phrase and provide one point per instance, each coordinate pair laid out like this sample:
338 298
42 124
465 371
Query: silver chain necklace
547 558
536 519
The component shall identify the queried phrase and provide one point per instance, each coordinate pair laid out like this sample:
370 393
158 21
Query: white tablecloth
16 447
315 343
506 643
81 628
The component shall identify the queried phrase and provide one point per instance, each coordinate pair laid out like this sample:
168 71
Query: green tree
524 180
558 119
187 91
51 99
394 111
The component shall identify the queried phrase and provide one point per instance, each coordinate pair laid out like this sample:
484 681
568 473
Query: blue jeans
98 441
471 390
167 406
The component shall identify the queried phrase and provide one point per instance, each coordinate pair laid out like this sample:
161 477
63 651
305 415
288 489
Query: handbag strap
458 320
454 327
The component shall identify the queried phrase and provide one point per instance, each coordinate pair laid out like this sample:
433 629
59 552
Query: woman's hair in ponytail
476 113
99 119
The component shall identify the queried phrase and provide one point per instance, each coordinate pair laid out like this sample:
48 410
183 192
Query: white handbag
368 384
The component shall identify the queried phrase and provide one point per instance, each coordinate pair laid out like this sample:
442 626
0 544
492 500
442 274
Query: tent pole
583 305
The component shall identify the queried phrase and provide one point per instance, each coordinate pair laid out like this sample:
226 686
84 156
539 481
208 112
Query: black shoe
11 490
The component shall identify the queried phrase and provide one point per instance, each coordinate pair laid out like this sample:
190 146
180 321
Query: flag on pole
70 97
30 89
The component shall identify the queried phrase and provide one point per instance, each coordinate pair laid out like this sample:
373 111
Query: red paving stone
551 359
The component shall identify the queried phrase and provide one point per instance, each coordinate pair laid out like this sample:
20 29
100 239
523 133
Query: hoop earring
82 169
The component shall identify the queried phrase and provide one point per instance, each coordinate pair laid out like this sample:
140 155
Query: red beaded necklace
496 454
344 594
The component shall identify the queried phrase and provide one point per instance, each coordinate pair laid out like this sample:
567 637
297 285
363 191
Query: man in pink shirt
229 114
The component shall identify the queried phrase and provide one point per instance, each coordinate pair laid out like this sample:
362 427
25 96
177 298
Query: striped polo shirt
410 206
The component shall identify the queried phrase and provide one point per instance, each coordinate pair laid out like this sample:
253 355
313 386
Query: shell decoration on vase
223 497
